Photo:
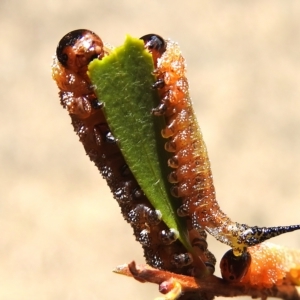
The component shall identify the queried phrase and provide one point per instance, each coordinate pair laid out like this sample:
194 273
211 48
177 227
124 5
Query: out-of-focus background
61 232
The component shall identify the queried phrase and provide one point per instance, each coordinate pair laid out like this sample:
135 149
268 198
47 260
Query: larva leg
211 261
198 237
168 236
144 214
181 260
110 138
160 83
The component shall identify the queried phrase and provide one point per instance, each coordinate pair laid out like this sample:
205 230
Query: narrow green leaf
123 83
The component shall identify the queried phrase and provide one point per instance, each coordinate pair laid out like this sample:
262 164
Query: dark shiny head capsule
234 268
154 42
78 48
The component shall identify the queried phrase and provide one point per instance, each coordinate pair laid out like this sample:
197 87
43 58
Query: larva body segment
264 265
191 174
162 250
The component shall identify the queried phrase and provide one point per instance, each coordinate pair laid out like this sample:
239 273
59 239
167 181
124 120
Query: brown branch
179 286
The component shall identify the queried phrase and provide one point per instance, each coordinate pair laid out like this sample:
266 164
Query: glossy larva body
191 176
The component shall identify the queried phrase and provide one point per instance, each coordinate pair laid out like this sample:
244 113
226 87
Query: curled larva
263 265
191 175
74 52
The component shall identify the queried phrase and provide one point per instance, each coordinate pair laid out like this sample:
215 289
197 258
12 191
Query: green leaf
123 81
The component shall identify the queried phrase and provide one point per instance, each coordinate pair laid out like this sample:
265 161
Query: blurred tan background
61 232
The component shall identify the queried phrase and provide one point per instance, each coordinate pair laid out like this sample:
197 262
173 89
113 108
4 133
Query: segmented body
74 52
191 175
265 265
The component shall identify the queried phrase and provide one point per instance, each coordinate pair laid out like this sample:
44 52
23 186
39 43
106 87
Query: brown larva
191 176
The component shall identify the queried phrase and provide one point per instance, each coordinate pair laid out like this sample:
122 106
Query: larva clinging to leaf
191 176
